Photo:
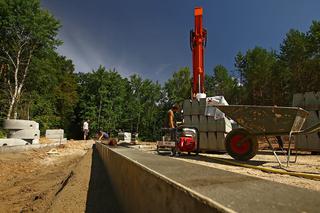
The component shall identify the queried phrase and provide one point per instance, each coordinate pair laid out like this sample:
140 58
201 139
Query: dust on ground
30 180
306 163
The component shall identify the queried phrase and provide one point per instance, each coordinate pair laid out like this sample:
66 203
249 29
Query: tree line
40 84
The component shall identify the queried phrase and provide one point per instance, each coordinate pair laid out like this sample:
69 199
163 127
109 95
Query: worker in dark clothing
103 135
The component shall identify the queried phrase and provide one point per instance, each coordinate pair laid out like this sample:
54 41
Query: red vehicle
178 140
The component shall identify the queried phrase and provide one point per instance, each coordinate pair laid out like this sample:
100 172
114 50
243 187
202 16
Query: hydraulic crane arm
198 41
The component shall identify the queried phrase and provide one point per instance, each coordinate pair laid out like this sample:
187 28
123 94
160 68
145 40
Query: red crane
198 41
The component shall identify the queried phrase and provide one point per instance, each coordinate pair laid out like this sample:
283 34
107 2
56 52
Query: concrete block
187 105
298 100
311 100
35 141
25 134
202 105
195 121
312 119
57 134
203 123
300 142
195 109
313 142
54 132
187 119
211 124
223 125
124 136
12 142
221 136
12 124
212 140
204 141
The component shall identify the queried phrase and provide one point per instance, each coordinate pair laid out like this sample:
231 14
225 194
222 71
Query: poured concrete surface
234 191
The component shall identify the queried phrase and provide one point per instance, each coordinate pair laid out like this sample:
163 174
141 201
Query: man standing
85 129
171 123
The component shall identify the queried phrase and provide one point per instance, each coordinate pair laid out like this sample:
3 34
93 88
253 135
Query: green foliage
51 92
221 83
25 23
25 31
178 88
257 69
112 103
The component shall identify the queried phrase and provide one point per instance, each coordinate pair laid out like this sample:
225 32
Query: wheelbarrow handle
311 129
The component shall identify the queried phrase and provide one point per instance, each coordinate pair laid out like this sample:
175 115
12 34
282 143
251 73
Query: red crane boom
198 41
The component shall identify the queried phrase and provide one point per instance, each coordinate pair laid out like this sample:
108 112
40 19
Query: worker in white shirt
85 129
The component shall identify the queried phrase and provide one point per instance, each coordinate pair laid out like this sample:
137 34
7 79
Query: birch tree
25 30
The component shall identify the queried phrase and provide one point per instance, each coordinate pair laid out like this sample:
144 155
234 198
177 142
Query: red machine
185 138
198 41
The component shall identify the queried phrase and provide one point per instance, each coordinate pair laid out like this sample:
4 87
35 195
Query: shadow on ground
101 196
213 160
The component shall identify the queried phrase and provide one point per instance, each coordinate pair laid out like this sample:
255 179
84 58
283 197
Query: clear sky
151 37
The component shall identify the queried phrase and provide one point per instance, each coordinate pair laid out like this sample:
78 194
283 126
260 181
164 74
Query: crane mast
198 41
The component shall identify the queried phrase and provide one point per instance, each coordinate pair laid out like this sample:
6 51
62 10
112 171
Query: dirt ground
71 177
306 163
31 180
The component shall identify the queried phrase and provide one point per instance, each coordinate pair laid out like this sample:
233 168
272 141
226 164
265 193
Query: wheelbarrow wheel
241 145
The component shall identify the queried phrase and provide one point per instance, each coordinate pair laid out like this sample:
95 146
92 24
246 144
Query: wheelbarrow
265 121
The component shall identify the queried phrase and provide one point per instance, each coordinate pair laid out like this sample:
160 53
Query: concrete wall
140 189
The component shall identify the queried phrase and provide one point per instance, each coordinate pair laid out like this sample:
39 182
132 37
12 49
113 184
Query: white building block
12 124
25 134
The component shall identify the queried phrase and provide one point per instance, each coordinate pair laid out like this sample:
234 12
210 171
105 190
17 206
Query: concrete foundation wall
140 189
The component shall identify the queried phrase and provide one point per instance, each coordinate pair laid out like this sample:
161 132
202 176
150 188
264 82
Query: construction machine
185 138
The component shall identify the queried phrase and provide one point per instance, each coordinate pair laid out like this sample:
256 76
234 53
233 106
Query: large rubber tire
241 145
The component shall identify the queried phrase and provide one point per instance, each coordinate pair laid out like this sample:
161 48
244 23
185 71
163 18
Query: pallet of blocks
309 101
212 131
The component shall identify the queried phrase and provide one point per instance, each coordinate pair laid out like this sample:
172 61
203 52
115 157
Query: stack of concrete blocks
124 137
56 135
21 132
212 132
309 101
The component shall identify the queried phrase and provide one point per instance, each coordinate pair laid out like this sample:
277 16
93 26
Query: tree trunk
18 85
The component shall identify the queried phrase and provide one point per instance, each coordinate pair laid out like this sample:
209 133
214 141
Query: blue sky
151 38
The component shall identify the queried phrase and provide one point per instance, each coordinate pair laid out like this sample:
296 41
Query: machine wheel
241 145
173 152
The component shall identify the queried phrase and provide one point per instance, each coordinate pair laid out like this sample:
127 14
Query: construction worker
85 129
174 108
171 121
103 135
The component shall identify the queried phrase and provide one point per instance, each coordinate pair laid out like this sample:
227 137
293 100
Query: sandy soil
31 180
306 163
